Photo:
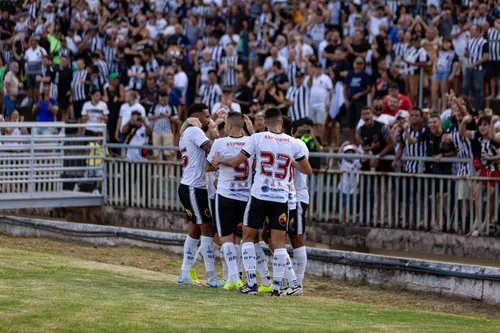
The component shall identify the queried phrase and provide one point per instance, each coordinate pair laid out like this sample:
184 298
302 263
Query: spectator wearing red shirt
404 101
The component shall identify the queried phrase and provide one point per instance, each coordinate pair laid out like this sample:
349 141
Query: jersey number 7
282 164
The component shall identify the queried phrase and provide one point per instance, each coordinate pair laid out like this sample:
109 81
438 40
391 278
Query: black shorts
77 108
493 69
229 215
297 224
257 211
211 207
63 102
195 202
354 112
31 81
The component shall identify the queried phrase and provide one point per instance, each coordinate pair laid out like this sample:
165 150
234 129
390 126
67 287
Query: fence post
421 88
32 167
104 186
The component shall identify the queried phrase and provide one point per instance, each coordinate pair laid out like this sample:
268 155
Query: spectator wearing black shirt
243 95
149 95
6 28
356 89
358 48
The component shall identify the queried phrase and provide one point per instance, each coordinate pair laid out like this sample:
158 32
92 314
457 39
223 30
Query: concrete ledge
476 282
346 237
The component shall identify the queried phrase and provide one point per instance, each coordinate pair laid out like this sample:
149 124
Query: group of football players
236 182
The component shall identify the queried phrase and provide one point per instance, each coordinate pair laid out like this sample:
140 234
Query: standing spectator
297 99
63 80
415 57
33 57
440 146
348 185
47 76
494 58
445 68
130 106
226 102
477 56
45 110
356 89
95 111
80 87
116 96
211 93
320 97
149 95
162 116
11 89
136 75
230 65
243 95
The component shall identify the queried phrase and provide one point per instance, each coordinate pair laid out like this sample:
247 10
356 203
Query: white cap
347 148
402 114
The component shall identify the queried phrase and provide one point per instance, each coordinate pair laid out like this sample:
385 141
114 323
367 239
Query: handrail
48 124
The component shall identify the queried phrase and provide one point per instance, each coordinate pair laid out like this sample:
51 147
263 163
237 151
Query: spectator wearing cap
244 95
356 89
226 102
211 93
403 102
95 111
297 99
11 89
349 181
320 96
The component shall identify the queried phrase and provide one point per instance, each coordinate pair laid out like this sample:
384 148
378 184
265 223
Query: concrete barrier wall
343 236
331 263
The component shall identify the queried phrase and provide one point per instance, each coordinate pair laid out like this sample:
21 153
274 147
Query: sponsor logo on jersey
189 213
235 143
264 189
282 219
270 137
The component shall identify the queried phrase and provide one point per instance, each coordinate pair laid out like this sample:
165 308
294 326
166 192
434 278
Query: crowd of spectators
332 66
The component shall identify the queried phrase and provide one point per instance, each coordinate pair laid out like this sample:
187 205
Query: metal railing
420 201
43 160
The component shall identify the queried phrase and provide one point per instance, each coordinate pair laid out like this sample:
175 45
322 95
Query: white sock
239 260
230 260
262 267
198 257
207 249
248 254
224 265
279 262
190 245
290 274
300 262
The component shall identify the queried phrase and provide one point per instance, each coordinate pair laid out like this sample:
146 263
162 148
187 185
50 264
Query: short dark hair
272 115
419 110
277 64
212 71
93 91
367 108
287 125
163 93
484 119
393 85
196 108
235 119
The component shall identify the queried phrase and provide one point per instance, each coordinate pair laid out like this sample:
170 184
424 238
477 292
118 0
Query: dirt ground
157 260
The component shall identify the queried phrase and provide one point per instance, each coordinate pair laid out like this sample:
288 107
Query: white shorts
464 188
318 114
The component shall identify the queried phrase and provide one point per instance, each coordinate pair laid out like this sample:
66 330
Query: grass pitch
49 286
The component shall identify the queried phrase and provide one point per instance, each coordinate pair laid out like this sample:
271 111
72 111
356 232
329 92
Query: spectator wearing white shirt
33 57
131 105
95 111
268 63
226 102
320 97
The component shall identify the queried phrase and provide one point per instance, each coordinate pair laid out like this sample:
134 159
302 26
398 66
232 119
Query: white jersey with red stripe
233 183
273 153
300 179
191 146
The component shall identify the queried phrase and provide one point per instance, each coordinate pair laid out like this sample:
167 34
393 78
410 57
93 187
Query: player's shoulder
192 130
